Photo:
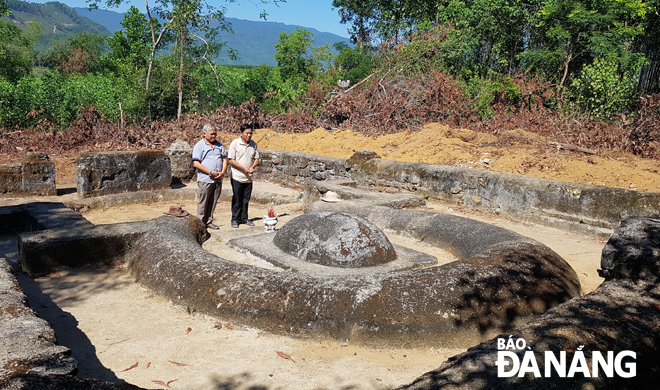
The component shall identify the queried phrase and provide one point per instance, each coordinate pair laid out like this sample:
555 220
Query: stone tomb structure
386 295
332 243
104 173
500 279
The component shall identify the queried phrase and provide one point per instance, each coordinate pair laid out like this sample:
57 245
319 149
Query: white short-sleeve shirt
244 155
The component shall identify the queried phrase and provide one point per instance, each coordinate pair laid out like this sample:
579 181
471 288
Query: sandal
234 224
249 223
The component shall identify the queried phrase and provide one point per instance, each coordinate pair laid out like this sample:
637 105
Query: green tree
131 47
574 32
648 44
16 49
80 53
190 21
486 34
362 16
603 90
353 63
196 10
4 8
291 54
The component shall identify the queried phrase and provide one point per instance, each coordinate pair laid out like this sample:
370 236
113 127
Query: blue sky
306 13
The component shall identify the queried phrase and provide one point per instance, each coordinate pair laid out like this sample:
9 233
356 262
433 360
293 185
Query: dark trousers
239 202
208 198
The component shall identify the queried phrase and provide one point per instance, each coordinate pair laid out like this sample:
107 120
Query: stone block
34 175
11 178
633 250
106 173
38 174
180 154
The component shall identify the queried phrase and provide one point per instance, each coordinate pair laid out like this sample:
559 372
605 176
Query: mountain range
253 40
57 21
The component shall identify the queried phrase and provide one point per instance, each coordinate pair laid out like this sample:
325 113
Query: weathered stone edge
167 195
27 343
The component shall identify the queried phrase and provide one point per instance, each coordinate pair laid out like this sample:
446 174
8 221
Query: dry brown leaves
284 356
165 384
644 138
131 367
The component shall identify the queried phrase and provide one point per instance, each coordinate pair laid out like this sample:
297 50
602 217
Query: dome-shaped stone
335 239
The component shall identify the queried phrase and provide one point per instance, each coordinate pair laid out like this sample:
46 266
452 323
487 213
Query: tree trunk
153 43
560 90
180 78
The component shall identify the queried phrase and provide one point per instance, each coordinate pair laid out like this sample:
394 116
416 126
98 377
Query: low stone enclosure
501 284
495 280
568 206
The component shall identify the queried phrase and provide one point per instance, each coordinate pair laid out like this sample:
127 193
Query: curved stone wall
622 314
501 279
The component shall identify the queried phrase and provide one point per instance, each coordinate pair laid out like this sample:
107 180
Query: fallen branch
570 147
558 146
362 81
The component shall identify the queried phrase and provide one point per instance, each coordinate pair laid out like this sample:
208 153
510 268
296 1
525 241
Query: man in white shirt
243 157
210 159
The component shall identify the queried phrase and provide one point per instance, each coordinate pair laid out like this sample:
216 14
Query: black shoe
249 223
234 224
212 226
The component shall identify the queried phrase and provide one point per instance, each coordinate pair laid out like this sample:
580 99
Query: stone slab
27 343
34 175
104 173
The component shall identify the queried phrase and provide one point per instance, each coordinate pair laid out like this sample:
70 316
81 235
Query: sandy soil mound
515 152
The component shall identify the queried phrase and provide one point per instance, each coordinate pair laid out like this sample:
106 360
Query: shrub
603 90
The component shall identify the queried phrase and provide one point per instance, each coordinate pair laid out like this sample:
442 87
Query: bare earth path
112 323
